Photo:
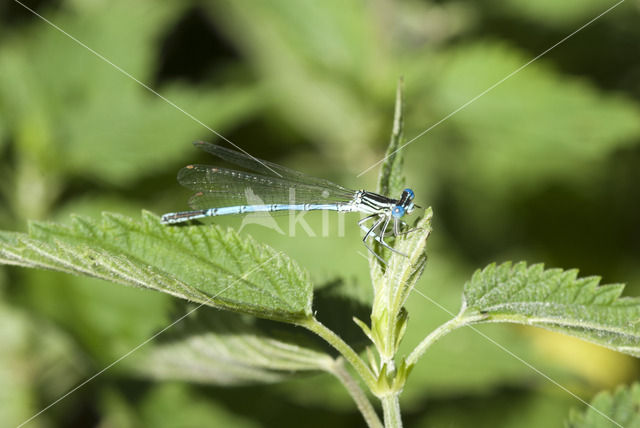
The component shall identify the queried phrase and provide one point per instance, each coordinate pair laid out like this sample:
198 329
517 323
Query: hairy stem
391 409
341 346
364 405
436 334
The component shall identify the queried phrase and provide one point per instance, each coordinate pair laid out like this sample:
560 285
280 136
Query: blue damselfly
222 191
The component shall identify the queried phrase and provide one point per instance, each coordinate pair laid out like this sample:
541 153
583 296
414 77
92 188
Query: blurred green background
543 168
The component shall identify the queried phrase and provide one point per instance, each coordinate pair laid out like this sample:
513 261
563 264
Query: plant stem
436 334
364 405
341 346
391 410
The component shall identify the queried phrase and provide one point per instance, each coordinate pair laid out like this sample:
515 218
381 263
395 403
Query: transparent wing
218 187
266 168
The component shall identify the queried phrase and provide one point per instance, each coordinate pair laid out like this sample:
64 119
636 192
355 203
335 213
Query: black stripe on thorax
377 201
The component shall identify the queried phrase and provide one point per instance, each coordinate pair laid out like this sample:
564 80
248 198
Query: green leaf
623 407
391 180
167 131
168 405
556 300
393 285
402 272
177 405
537 124
318 75
446 370
503 407
71 112
106 321
37 360
228 349
393 280
202 264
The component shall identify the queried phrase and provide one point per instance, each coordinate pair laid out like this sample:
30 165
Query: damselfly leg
370 231
381 223
398 232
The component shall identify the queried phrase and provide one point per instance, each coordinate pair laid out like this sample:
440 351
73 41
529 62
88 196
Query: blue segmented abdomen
247 209
179 217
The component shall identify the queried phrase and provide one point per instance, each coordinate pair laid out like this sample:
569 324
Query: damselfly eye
397 211
409 193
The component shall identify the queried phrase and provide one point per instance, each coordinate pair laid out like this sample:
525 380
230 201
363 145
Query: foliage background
543 168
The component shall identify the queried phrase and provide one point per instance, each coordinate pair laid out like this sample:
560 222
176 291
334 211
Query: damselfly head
406 198
406 202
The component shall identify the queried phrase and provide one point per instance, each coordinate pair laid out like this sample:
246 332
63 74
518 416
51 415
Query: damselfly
223 191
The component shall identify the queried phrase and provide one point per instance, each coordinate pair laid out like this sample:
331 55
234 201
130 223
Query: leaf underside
202 264
556 300
226 349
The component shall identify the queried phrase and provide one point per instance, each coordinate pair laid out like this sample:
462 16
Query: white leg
370 232
397 232
378 237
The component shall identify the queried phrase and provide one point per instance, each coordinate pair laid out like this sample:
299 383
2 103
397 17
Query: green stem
445 328
364 405
341 346
391 410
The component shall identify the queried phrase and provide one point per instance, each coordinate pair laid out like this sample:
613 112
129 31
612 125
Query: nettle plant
209 266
